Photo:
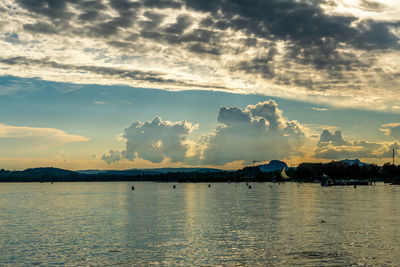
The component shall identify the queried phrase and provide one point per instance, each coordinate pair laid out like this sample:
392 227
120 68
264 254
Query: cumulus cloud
157 140
8 131
392 130
322 50
334 146
111 157
259 132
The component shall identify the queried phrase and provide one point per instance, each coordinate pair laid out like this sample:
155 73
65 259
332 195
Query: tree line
305 172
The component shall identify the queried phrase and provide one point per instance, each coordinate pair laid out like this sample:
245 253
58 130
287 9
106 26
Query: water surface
225 224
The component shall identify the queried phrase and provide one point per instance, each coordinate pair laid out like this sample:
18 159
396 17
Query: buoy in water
249 186
133 188
209 185
173 186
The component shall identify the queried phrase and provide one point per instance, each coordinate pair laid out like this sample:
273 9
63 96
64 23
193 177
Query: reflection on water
193 224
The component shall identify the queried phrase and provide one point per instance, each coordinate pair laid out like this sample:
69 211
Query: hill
273 166
148 171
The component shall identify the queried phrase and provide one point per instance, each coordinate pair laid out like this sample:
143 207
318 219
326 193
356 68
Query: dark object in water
209 185
322 221
249 186
133 188
173 186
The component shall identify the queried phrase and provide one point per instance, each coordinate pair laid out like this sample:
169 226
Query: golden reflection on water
193 224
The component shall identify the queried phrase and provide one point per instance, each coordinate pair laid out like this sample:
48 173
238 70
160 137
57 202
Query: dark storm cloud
54 9
41 27
182 22
203 49
315 35
377 35
285 33
92 10
302 22
261 64
200 36
199 41
162 4
153 20
126 18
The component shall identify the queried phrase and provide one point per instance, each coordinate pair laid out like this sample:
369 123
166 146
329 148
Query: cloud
391 129
388 151
320 109
326 51
259 132
111 157
7 131
335 139
137 75
41 27
157 140
372 5
333 146
154 141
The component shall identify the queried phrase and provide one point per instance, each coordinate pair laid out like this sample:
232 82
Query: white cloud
157 140
260 132
7 131
333 146
320 109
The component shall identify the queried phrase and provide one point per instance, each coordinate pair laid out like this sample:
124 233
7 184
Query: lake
193 224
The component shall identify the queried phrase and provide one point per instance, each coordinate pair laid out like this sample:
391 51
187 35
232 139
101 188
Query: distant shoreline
339 172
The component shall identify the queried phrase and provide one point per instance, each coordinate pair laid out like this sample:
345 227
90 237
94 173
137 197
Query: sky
180 83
